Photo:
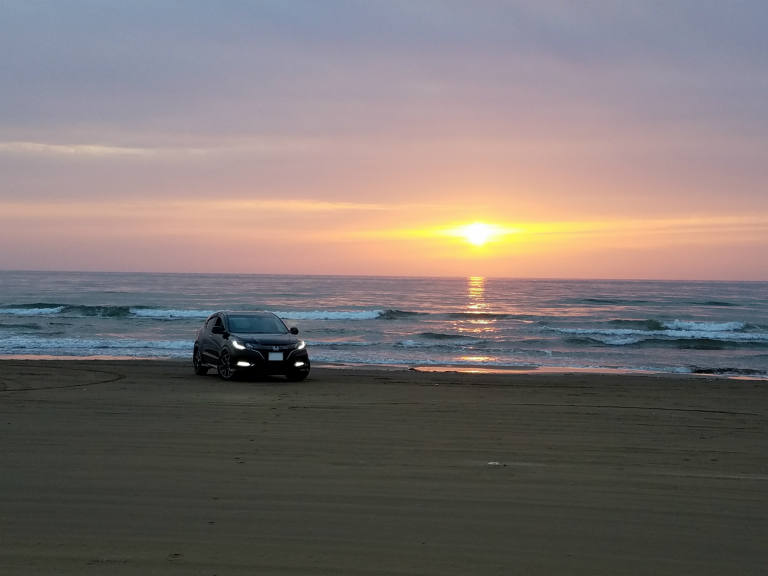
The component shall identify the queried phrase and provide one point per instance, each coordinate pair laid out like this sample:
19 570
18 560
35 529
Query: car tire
197 362
224 367
297 375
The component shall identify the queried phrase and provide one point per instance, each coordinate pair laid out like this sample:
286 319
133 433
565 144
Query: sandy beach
127 467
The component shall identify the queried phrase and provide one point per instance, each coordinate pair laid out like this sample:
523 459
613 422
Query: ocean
486 323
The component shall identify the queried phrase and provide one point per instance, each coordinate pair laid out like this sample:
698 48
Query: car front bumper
267 361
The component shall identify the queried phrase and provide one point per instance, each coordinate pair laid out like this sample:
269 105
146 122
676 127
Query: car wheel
297 375
197 362
224 366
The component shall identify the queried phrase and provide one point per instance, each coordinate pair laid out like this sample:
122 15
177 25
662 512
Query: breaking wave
158 313
330 314
78 310
40 309
685 333
376 314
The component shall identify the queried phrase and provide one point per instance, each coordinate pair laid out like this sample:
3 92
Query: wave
398 314
330 314
150 312
169 313
48 309
623 302
700 335
704 326
649 324
410 343
612 301
442 336
657 325
440 343
371 314
336 344
96 347
19 327
39 309
390 314
705 344
82 310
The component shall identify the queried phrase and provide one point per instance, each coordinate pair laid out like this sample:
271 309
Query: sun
477 233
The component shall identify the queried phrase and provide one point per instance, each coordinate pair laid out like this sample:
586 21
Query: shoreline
448 368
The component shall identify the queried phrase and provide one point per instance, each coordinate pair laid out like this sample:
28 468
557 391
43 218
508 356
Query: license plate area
275 357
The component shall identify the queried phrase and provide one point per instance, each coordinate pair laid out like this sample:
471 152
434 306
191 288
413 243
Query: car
255 342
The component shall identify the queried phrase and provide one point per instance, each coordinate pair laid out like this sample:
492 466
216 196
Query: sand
126 467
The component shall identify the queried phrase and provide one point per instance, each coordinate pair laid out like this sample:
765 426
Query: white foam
717 335
704 326
330 314
625 336
32 311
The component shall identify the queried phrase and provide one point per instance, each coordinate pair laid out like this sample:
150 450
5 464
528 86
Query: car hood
268 339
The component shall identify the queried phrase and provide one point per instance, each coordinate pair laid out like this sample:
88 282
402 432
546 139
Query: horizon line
414 276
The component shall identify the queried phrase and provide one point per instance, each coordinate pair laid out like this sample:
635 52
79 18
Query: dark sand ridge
124 467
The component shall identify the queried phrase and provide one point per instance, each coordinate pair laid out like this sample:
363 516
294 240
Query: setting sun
480 233
477 233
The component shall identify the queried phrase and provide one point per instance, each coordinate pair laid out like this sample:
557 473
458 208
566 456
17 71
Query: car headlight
237 345
301 345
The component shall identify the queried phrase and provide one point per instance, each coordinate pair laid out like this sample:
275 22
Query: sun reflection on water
476 294
477 359
477 309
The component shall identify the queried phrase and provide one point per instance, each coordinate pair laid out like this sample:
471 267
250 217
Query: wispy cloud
217 146
232 209
300 205
81 150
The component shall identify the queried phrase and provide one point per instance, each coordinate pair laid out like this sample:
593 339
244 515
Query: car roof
257 314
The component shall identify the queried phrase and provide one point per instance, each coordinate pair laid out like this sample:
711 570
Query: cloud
191 211
211 146
80 150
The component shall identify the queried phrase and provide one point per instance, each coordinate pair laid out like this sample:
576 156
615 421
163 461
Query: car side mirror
217 330
294 330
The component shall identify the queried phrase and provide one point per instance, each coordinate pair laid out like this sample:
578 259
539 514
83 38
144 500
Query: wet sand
121 467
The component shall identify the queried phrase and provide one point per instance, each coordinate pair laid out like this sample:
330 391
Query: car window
257 325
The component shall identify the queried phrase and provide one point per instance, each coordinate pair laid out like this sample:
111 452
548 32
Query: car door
211 342
217 340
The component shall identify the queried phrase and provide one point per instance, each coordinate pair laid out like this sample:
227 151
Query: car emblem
275 348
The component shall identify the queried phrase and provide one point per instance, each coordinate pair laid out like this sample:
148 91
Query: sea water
709 327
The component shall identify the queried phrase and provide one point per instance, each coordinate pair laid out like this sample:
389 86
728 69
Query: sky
592 139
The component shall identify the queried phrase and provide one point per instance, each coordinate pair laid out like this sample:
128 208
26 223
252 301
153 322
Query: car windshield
257 325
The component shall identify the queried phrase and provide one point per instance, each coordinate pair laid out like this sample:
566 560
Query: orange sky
295 236
351 138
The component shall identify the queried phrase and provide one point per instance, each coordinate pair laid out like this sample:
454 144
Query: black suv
249 341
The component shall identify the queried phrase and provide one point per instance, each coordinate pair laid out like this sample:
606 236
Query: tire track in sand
49 377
